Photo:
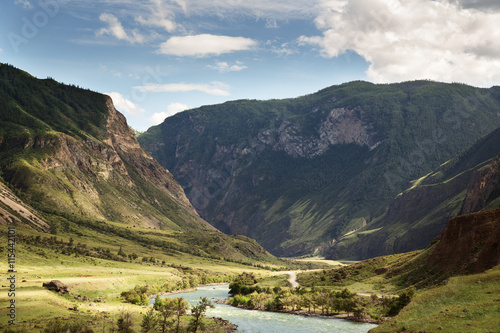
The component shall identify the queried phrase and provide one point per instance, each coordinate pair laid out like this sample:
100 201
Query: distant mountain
299 175
69 163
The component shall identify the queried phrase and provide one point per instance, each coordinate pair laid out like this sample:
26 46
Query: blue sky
158 57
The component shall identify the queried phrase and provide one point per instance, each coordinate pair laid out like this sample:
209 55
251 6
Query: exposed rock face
14 210
57 286
341 126
469 244
483 187
122 138
98 176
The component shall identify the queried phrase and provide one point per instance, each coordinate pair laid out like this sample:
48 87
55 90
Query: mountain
70 165
298 175
465 184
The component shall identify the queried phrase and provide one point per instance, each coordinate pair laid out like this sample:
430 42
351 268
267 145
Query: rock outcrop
484 186
469 244
57 286
341 126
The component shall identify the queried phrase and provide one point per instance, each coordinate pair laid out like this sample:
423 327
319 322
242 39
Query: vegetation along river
252 321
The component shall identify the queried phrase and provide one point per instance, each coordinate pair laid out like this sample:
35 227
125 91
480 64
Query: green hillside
454 280
300 174
421 212
68 157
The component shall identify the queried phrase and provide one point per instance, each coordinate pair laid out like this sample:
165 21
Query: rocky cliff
483 188
468 244
75 154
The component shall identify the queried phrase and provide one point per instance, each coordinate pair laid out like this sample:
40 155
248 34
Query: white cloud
116 30
25 3
214 88
285 49
172 109
205 45
1 50
161 16
124 105
224 67
413 39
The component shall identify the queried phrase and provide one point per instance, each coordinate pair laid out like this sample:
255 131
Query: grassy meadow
100 280
464 304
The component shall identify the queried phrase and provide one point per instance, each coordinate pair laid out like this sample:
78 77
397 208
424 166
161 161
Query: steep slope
467 245
299 174
72 165
14 211
467 183
69 149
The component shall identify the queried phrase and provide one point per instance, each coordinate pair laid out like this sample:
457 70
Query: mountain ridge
312 169
71 163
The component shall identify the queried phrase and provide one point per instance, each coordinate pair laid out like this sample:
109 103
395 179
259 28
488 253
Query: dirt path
293 279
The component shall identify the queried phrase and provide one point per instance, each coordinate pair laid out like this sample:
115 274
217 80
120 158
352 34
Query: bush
398 303
58 326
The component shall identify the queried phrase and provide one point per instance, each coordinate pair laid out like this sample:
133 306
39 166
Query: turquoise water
252 321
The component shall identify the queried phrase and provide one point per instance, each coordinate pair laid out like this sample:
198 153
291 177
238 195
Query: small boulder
56 285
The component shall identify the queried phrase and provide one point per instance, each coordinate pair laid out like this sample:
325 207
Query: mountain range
353 171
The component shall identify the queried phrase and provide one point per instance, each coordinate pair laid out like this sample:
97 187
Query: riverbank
306 313
266 321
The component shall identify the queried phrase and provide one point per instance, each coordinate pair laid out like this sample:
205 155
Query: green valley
405 177
89 207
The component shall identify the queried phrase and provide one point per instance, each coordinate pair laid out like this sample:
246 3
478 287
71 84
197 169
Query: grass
98 279
103 280
465 304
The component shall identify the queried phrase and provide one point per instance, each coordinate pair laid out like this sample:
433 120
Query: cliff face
468 244
483 188
340 126
126 147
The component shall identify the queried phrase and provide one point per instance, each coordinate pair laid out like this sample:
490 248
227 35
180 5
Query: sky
159 57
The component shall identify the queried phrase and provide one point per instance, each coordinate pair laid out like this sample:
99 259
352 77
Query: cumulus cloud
116 29
205 45
172 109
413 39
213 88
124 105
224 67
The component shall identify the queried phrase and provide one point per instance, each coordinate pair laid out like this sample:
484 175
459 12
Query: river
253 321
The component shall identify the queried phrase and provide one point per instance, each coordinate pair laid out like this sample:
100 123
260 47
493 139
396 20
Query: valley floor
98 280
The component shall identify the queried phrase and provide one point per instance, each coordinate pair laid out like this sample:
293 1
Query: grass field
101 281
465 304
